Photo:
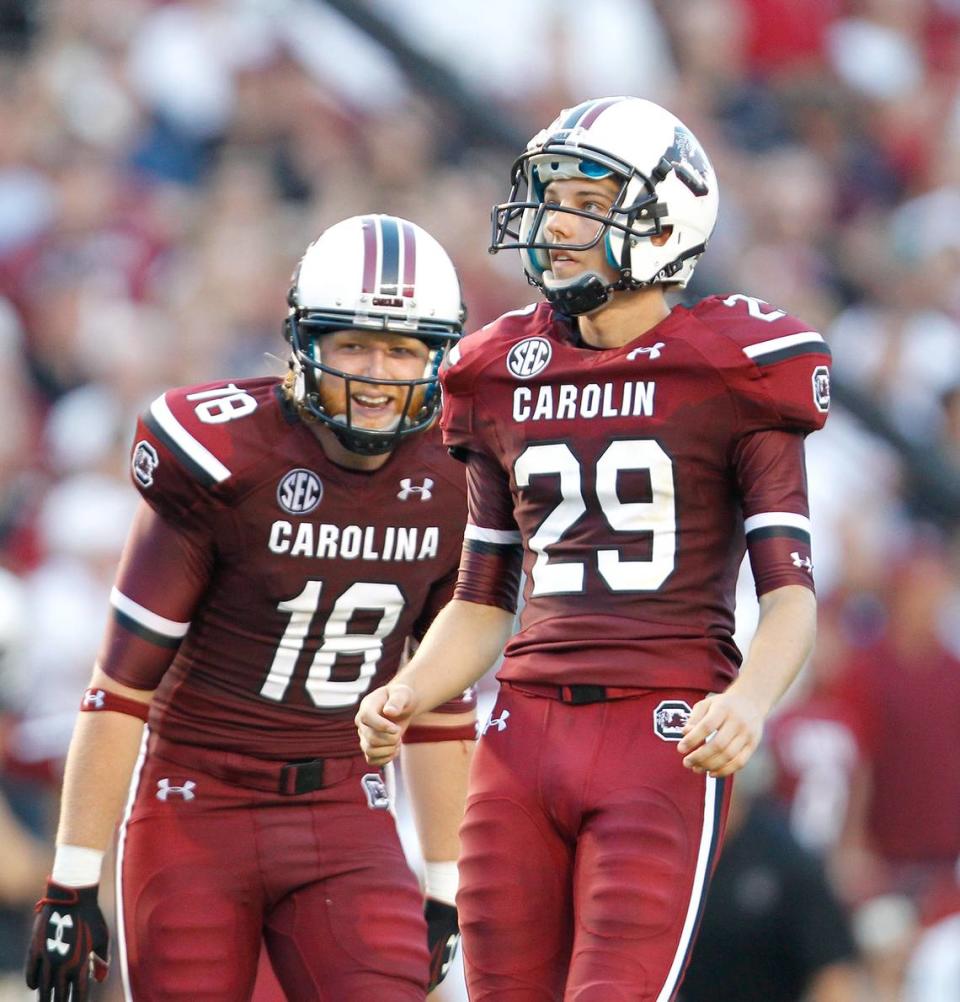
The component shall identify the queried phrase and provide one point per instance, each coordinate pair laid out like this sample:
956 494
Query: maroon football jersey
286 585
634 477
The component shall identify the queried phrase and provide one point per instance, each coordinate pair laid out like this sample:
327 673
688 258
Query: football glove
443 937
69 945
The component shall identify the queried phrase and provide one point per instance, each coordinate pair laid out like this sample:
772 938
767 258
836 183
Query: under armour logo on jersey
653 351
499 722
57 944
165 789
95 698
804 562
378 798
408 487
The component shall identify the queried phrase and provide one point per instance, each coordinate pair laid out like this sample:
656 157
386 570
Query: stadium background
163 165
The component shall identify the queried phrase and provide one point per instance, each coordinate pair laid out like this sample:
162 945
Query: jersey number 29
658 516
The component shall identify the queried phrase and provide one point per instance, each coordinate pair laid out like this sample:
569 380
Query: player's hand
69 945
722 733
443 938
382 719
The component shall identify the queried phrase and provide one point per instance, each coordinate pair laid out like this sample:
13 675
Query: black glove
70 942
443 937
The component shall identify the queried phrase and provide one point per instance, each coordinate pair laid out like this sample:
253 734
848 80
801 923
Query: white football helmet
377 273
667 181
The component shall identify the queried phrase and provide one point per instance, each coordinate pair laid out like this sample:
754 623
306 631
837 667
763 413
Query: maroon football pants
586 850
209 869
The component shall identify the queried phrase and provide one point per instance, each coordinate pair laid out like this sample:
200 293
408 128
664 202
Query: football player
293 536
625 454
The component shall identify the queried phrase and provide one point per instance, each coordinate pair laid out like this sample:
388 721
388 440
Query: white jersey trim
118 870
503 537
778 343
776 518
159 624
202 456
708 836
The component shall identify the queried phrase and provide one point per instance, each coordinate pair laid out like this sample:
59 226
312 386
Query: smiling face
587 195
377 406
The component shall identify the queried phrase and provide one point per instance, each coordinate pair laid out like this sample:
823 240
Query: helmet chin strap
578 295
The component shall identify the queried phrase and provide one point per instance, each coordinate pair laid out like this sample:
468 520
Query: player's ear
659 239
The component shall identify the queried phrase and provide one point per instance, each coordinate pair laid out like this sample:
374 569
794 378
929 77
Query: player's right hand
382 719
69 945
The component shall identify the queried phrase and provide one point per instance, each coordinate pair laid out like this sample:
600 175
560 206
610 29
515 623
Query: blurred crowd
164 164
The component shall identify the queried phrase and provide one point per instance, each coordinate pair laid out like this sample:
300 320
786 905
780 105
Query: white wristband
76 866
441 880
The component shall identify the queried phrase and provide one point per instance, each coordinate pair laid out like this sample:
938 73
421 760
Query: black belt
580 694
302 777
289 778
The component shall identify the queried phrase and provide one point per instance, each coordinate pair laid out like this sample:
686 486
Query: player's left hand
443 938
722 733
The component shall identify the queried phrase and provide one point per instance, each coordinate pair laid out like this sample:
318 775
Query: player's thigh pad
649 840
515 865
190 905
357 935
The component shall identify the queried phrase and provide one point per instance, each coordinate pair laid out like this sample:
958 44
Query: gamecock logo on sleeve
145 461
669 719
821 388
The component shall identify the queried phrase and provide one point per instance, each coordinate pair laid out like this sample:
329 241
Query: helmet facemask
380 275
305 330
659 221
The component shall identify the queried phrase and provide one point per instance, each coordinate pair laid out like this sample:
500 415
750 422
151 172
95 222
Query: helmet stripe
571 120
596 111
409 260
369 253
390 257
587 112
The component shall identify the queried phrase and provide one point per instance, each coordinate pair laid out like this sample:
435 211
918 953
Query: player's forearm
781 645
96 780
462 644
435 777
